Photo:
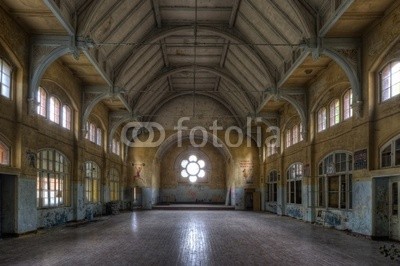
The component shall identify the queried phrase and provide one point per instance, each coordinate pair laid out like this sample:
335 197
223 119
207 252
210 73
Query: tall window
322 119
390 80
92 182
5 79
272 147
66 117
288 138
99 136
293 183
53 179
335 181
4 154
390 153
42 102
92 132
334 111
272 186
347 101
114 184
116 147
54 112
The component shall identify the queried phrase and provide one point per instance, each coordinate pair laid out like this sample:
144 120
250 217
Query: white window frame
334 112
393 157
66 117
54 110
272 186
42 97
5 86
390 86
53 179
114 184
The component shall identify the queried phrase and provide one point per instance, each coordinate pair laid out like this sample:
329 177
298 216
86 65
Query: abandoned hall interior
198 132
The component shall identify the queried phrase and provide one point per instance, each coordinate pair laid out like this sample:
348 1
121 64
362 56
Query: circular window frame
200 156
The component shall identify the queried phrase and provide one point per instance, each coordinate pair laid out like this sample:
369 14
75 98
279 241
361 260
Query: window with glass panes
334 186
114 184
347 102
322 119
390 153
42 102
293 183
5 79
272 186
92 182
390 81
53 179
334 112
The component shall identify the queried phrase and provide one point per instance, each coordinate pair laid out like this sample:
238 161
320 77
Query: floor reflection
194 242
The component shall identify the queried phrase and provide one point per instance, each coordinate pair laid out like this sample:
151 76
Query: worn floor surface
192 238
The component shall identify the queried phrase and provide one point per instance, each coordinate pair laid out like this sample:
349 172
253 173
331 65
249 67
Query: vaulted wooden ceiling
233 51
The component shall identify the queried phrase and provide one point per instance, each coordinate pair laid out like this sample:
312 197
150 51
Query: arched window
42 102
66 117
114 184
4 154
334 112
390 153
53 179
54 112
293 183
347 102
272 186
293 135
390 80
92 182
335 181
5 79
322 119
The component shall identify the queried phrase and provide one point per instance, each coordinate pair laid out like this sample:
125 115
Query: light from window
4 154
272 147
42 101
390 81
116 147
5 79
193 168
347 102
288 138
322 119
92 182
293 183
54 110
99 136
66 117
92 133
334 112
295 134
53 179
114 185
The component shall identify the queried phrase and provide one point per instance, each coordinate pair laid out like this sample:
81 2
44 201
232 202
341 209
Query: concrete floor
192 238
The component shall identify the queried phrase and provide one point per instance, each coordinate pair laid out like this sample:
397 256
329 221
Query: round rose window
193 168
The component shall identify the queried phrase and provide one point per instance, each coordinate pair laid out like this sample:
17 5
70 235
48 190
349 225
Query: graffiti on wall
138 174
246 172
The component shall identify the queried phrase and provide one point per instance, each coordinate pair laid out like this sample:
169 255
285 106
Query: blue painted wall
26 211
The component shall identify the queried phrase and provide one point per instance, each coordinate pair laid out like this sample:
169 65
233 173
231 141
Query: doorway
394 193
7 204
